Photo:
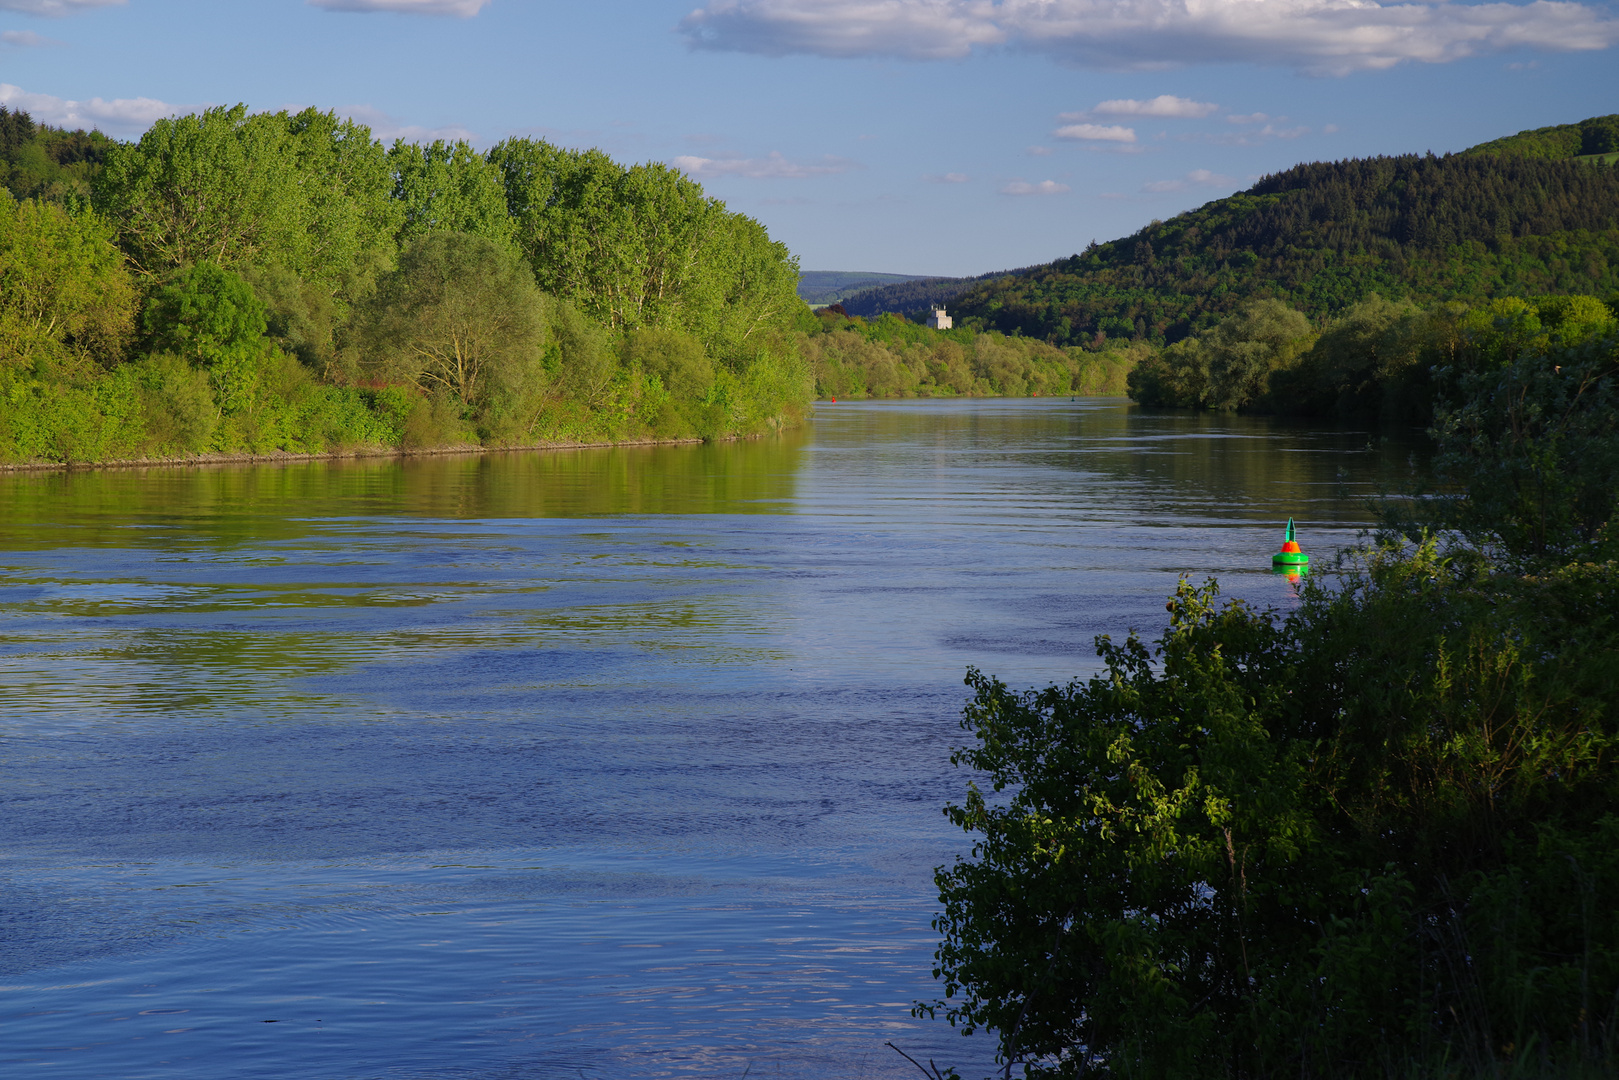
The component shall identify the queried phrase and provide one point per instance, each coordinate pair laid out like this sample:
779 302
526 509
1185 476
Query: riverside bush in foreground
1378 834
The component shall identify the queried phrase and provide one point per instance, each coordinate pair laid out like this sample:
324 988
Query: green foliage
1598 135
1369 362
205 314
301 317
64 294
50 164
448 187
1373 835
305 290
1378 359
458 312
820 287
308 192
1529 449
677 360
1231 366
891 357
642 246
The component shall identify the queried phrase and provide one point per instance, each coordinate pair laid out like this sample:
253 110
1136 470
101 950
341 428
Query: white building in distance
939 320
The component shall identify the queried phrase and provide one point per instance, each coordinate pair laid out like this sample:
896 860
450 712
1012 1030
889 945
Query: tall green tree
643 246
1229 367
64 290
458 315
308 192
448 187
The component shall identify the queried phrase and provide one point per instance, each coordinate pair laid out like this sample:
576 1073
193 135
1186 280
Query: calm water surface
609 763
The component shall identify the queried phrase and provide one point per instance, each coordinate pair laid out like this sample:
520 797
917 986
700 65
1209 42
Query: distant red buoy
834 401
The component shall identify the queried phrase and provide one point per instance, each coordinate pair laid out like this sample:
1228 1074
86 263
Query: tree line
890 356
1382 359
254 282
1376 835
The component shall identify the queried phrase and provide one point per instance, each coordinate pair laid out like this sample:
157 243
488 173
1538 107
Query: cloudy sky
911 136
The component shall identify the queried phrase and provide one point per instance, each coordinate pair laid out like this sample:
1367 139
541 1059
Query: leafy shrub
1374 834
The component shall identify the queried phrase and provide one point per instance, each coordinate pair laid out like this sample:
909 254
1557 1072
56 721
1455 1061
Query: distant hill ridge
1535 213
821 287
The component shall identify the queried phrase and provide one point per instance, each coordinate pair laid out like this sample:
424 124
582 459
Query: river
616 763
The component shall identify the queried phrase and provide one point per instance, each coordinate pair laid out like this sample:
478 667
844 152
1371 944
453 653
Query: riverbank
287 457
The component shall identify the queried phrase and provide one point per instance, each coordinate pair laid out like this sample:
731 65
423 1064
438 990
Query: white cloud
771 167
121 116
25 39
1096 133
1318 36
53 9
1195 178
1162 105
386 128
1044 187
1038 151
918 29
462 9
1249 118
948 178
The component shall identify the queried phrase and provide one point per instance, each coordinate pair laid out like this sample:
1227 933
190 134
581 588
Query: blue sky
910 136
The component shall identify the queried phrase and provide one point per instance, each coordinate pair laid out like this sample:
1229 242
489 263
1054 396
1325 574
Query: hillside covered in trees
251 283
1532 214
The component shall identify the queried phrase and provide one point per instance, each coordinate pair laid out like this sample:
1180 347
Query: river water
605 763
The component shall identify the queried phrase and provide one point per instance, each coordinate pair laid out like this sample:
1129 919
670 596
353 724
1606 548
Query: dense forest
1497 220
252 283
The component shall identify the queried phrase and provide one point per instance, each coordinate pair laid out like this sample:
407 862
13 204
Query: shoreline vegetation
253 285
243 285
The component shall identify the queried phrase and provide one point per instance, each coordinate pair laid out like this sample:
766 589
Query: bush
1372 836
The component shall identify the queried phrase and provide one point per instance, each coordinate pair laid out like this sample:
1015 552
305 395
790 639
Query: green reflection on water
266 502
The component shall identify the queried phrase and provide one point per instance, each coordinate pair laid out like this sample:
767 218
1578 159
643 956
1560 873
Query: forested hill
1324 235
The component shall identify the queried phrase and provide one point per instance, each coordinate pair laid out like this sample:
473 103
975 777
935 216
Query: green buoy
1291 557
